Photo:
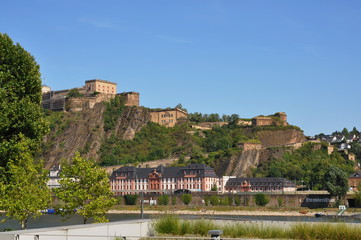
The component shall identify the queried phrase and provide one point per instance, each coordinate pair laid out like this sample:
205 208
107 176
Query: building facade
131 98
235 185
194 177
100 86
168 117
54 177
354 181
278 119
93 92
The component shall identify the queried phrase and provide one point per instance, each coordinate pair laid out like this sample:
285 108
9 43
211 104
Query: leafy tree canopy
336 181
85 187
20 98
26 192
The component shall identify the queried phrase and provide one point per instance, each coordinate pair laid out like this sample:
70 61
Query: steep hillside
274 144
112 134
241 164
272 138
84 131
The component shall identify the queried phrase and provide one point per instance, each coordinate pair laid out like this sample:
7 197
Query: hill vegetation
305 166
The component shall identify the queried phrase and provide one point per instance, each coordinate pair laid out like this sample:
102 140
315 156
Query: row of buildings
192 178
195 177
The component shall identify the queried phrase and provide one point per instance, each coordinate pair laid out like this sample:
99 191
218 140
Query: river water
51 220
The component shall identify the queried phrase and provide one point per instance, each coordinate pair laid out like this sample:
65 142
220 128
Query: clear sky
233 56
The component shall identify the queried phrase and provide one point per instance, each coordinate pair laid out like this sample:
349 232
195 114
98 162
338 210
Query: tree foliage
156 142
74 93
113 111
130 199
22 127
25 193
20 98
85 187
261 199
163 200
186 198
307 164
336 181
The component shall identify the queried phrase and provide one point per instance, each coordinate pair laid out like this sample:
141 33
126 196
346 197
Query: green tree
336 183
130 199
163 200
180 106
20 99
261 199
186 198
26 192
345 132
85 187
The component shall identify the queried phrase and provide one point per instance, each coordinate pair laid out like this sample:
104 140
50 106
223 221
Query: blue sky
231 56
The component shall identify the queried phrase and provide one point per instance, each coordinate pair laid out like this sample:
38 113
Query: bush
214 200
237 200
130 199
174 201
261 199
163 200
186 199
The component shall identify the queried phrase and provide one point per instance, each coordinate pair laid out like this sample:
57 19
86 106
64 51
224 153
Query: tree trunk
24 224
84 220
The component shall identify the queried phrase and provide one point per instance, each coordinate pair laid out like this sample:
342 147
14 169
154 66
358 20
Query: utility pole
142 205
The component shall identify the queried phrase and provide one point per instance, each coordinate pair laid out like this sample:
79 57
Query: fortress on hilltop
98 90
77 99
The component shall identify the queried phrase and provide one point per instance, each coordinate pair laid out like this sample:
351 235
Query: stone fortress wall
94 91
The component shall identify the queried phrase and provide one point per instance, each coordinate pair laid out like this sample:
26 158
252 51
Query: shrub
174 201
130 199
214 200
163 200
186 199
169 224
237 200
230 200
261 199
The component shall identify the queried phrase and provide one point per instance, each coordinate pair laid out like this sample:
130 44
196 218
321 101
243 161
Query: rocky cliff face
280 137
241 164
84 131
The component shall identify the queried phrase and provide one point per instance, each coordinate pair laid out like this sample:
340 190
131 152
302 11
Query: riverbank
232 212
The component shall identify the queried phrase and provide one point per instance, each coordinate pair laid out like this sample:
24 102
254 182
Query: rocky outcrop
241 165
273 138
83 131
274 144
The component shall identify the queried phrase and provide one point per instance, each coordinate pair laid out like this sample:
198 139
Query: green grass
172 225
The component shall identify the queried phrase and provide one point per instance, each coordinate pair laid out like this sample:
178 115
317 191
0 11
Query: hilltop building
131 98
94 91
278 119
100 86
194 177
169 116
